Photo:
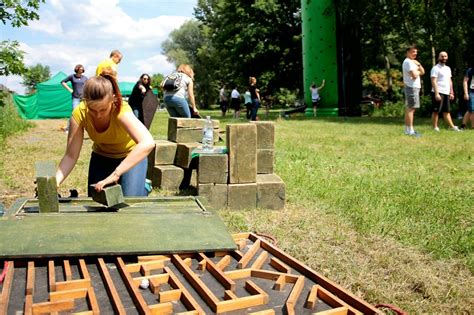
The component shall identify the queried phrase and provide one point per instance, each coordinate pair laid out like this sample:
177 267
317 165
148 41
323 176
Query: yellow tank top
115 142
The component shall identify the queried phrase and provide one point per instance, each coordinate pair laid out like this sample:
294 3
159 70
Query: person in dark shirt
138 94
78 79
255 96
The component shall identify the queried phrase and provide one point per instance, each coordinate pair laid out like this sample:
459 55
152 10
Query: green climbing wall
320 53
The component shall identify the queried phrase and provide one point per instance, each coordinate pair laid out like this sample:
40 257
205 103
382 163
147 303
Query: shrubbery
10 121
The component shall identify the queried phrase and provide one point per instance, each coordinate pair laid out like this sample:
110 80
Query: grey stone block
242 147
47 186
167 177
109 196
270 192
215 194
265 159
189 129
242 196
213 168
265 134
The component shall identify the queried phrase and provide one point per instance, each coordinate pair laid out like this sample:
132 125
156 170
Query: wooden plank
161 308
337 311
279 265
186 297
30 278
240 303
312 298
239 273
136 296
294 295
142 259
249 255
226 282
224 262
49 307
51 276
264 312
198 285
83 269
28 308
73 284
229 295
254 289
91 298
67 295
170 296
332 300
67 270
110 287
6 288
258 263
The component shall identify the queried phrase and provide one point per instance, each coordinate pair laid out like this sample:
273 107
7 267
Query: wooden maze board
256 278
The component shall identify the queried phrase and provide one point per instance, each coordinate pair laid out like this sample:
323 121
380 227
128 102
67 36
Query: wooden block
242 147
175 123
270 192
183 154
109 196
167 177
242 196
47 186
164 153
265 134
215 194
265 158
213 168
189 129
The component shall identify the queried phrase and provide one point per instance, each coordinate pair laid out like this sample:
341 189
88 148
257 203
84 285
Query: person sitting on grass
121 143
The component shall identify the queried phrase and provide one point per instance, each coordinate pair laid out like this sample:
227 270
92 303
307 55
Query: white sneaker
455 128
436 129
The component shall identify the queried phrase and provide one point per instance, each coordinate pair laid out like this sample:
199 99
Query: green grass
387 216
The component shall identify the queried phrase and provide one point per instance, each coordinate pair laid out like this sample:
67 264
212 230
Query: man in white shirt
412 70
442 92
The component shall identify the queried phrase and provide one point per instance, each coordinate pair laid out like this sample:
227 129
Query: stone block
189 129
167 177
242 148
270 192
109 196
242 196
213 168
183 153
265 159
164 153
215 194
175 123
265 134
47 186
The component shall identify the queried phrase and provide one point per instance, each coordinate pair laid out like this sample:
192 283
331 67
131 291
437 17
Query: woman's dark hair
78 67
145 75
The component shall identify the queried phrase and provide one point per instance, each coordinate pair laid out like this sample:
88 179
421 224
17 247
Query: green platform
84 227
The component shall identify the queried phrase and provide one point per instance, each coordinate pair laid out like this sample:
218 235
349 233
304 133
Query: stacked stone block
265 146
161 169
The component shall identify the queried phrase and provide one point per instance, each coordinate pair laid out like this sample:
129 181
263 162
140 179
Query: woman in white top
180 102
315 95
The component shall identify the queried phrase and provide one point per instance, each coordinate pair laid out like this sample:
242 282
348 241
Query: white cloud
49 23
13 82
154 64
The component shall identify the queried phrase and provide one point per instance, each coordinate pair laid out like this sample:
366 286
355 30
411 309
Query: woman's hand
112 178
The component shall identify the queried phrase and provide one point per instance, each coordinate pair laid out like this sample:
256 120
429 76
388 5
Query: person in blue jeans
468 89
180 101
121 143
78 79
255 96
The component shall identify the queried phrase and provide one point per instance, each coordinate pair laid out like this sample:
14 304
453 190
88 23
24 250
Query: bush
285 98
389 109
375 83
10 121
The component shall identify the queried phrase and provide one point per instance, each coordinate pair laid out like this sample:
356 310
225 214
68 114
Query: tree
34 75
18 13
11 58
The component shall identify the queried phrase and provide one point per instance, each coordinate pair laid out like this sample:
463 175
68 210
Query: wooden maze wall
257 278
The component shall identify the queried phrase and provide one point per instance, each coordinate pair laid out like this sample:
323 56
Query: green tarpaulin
52 100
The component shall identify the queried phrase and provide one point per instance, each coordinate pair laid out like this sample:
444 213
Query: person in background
235 102
223 100
181 101
412 70
110 64
442 92
78 79
135 100
315 97
255 95
248 103
121 143
468 89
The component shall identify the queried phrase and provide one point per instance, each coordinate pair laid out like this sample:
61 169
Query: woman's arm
145 144
74 145
192 101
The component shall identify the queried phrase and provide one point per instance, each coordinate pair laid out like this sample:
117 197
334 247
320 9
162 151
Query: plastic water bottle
208 135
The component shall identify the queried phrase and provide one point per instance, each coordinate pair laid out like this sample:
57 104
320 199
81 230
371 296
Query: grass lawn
387 216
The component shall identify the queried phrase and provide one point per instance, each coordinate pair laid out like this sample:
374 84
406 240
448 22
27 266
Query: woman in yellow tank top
121 143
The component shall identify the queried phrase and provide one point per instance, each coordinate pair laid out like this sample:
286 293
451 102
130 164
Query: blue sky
70 32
